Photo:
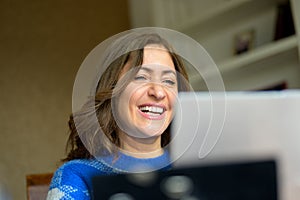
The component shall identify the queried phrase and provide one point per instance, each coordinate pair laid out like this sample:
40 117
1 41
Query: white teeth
152 109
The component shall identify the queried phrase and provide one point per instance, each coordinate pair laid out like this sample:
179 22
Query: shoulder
80 169
80 164
73 179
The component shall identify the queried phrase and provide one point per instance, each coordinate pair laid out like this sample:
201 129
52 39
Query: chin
152 132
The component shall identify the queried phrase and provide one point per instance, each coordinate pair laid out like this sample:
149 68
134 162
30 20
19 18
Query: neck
141 147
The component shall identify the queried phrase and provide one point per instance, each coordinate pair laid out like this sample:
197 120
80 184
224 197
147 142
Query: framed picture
243 41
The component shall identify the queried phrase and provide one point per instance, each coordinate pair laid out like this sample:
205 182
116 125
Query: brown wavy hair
101 104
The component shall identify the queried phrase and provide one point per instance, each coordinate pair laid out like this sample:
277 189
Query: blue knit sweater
73 180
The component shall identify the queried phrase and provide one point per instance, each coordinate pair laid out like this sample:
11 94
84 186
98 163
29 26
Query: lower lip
151 117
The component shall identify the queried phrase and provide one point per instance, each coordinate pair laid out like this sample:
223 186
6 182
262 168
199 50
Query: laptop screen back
211 128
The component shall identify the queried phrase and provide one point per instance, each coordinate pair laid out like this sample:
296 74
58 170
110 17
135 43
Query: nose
157 91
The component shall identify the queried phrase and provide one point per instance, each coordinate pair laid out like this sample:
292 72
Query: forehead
155 54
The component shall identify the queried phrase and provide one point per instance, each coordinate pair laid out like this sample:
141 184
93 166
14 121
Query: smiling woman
133 107
145 108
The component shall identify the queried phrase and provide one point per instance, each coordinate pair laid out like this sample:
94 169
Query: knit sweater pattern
73 180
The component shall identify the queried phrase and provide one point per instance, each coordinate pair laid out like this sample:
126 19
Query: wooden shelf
259 53
255 55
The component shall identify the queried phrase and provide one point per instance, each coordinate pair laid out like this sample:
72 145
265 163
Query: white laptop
213 128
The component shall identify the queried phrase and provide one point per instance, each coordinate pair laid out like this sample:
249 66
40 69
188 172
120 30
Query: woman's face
145 107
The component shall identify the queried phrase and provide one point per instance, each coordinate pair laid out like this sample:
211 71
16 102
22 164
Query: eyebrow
163 72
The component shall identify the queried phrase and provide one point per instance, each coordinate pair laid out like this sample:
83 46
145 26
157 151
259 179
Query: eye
140 77
169 82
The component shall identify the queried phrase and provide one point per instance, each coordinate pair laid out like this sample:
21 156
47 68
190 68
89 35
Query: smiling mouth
152 110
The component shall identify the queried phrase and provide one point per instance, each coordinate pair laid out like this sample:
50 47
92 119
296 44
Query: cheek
132 94
172 97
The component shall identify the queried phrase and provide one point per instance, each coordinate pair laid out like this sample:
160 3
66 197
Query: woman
134 108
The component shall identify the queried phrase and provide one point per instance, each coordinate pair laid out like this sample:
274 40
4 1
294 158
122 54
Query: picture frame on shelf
244 41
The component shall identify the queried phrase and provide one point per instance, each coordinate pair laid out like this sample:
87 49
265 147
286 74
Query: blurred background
255 44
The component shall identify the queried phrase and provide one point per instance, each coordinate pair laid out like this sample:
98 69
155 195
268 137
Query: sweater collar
127 163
